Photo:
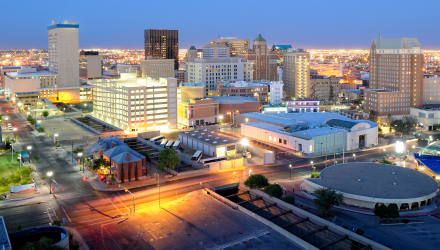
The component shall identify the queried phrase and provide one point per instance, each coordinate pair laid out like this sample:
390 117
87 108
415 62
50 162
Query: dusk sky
306 24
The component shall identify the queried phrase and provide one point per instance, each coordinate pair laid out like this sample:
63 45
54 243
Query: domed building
367 185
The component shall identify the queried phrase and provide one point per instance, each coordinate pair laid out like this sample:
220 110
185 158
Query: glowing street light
50 183
290 166
354 156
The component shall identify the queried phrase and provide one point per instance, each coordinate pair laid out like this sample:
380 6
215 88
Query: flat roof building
210 143
369 185
157 68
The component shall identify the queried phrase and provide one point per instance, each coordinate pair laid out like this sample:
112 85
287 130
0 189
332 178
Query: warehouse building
211 143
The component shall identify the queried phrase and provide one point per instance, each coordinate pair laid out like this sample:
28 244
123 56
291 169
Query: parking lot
66 129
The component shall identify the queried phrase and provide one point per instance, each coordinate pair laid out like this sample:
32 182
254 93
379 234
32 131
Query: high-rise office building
296 76
396 76
63 53
264 60
236 46
191 54
162 44
216 50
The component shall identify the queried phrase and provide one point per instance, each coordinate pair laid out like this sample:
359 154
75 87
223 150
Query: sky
309 24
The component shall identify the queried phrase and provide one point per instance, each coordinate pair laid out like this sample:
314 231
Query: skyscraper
264 60
396 76
63 53
236 46
296 73
162 44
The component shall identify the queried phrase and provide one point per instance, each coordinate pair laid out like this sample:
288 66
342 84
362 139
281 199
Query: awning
24 154
52 107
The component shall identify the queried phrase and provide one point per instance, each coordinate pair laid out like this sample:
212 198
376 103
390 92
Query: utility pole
326 146
72 152
343 148
334 148
54 137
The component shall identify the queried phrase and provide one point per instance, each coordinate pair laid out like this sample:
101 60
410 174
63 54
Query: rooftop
356 91
259 39
272 119
213 138
192 84
27 93
232 99
396 43
281 46
317 132
377 180
38 73
10 67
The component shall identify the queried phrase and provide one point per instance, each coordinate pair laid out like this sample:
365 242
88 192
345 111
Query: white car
9 126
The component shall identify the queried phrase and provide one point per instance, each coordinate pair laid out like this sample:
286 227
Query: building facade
396 76
236 46
211 71
216 50
327 69
28 99
191 54
257 90
181 75
431 89
157 68
197 112
296 73
264 60
325 89
162 44
136 104
188 91
5 70
94 67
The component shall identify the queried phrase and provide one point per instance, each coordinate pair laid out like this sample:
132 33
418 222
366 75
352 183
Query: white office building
136 104
211 71
276 92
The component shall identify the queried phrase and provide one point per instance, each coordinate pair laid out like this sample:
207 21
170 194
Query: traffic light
85 178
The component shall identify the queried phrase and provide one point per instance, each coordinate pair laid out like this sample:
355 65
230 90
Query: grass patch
6 167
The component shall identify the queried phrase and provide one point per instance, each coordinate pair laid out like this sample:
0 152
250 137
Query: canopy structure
50 106
430 161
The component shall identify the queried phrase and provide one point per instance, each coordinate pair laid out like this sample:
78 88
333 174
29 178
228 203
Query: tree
410 120
373 116
44 243
385 161
98 163
36 159
385 212
256 181
33 122
389 119
78 150
73 244
45 113
56 223
147 156
19 227
1 119
360 231
41 129
167 159
289 199
326 198
274 190
58 145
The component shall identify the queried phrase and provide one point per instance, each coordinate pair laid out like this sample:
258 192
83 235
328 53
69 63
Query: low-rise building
188 91
197 112
431 89
230 106
352 94
211 143
427 116
302 105
129 68
136 104
28 99
5 70
263 91
181 75
312 134
327 69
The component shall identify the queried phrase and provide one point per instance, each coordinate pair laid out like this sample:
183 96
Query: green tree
45 113
326 198
289 199
274 190
410 120
73 244
373 116
56 223
256 181
313 175
360 231
19 227
167 159
4 182
389 119
98 163
385 212
78 150
33 122
41 129
44 243
385 161
36 159
1 120
58 145
29 118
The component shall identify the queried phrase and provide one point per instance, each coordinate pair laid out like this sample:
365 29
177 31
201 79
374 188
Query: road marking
119 199
115 206
66 214
48 214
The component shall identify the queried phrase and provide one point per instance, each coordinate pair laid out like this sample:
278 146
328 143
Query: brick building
325 89
396 76
259 91
264 60
197 111
235 105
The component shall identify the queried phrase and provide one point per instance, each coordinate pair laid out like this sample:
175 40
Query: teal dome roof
192 47
259 39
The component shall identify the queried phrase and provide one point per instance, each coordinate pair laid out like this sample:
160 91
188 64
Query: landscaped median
11 175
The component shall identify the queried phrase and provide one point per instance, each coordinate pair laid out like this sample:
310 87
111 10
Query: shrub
405 221
56 223
313 175
360 231
274 190
256 181
4 181
289 199
58 145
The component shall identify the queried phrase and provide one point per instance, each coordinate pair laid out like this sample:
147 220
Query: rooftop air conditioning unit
200 137
225 140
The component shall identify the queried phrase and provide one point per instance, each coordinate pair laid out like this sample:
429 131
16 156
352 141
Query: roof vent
395 183
193 134
215 142
359 180
225 140
393 173
196 131
209 135
226 136
200 137
206 139
205 129
217 138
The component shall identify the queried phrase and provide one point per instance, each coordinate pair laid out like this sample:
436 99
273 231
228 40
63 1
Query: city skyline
344 27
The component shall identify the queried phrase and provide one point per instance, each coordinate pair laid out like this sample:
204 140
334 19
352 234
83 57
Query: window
280 140
270 138
285 142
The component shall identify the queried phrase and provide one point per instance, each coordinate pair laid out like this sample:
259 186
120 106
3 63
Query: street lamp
50 183
54 139
80 154
290 166
39 121
354 156
244 142
250 171
313 166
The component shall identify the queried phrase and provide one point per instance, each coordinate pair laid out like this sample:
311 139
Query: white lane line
115 206
119 199
66 214
48 214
